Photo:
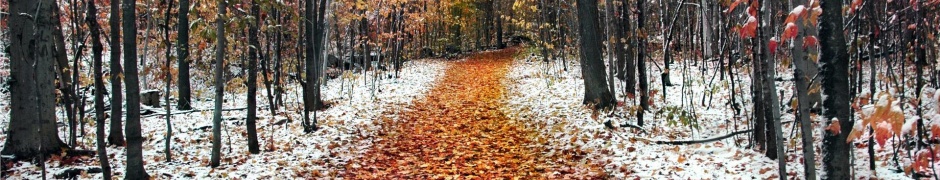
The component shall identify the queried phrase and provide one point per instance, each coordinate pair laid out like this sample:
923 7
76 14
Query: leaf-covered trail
459 130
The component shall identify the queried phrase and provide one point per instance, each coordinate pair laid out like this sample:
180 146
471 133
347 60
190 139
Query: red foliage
809 41
750 28
790 32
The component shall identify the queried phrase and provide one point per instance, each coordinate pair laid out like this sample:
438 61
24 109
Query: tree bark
771 103
253 78
32 130
182 50
168 149
798 53
596 92
835 84
641 36
310 101
116 133
96 47
135 158
219 85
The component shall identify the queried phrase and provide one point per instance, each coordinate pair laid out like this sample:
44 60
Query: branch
192 111
609 125
687 142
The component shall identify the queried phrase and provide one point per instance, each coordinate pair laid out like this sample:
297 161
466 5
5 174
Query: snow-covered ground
549 99
346 131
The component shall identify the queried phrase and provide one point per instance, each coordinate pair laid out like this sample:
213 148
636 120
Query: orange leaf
750 28
733 5
752 10
882 133
795 14
790 32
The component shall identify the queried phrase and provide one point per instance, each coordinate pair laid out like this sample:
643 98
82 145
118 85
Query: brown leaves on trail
459 131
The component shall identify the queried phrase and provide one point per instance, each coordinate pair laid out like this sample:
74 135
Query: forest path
459 131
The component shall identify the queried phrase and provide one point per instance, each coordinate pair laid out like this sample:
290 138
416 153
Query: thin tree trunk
116 134
219 86
63 69
96 48
611 52
641 36
182 50
798 53
167 151
135 156
253 78
772 107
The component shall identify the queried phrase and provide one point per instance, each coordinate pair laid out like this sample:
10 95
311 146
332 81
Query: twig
196 110
687 142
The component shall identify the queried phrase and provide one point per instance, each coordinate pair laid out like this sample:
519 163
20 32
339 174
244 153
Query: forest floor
460 130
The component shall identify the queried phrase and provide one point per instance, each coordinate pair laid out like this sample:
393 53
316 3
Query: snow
549 100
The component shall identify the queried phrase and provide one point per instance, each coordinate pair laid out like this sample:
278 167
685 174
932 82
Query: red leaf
772 45
750 28
752 10
795 14
790 32
733 5
809 41
854 6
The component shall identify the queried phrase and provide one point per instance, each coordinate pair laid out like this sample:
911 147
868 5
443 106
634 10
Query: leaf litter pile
460 131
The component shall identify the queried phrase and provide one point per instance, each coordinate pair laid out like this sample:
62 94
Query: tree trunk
135 157
62 70
596 92
835 84
499 26
182 50
798 53
641 36
253 78
116 133
96 48
611 48
168 149
219 86
771 103
626 70
32 130
310 101
278 60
